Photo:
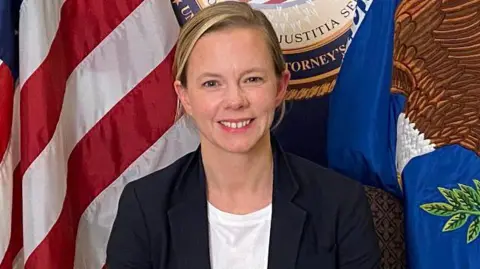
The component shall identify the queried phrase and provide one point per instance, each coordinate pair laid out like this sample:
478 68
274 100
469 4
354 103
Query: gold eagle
437 69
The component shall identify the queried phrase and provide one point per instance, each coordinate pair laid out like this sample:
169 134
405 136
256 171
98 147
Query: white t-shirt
239 241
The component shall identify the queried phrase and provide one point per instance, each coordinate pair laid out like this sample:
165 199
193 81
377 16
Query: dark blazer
320 219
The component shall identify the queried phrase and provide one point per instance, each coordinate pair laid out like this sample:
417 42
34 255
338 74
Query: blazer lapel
189 230
285 235
287 218
188 218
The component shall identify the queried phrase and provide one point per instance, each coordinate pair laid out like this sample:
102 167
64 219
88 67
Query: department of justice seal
313 35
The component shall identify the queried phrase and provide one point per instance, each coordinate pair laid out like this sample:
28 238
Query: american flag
93 109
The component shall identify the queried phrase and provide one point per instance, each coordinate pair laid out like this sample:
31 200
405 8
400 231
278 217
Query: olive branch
462 204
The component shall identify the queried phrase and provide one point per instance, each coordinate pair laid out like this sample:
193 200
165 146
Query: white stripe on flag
109 72
19 261
39 20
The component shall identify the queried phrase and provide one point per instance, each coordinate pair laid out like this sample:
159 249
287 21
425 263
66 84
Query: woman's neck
239 183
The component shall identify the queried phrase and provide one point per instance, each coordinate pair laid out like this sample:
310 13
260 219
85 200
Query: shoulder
317 183
161 183
331 200
308 173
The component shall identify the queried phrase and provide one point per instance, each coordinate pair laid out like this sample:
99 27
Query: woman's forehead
232 45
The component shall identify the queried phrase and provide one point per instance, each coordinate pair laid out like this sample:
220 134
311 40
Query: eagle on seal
437 69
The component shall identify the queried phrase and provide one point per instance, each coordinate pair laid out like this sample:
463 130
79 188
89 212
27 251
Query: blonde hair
220 16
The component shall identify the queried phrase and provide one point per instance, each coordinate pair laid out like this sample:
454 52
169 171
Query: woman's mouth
236 124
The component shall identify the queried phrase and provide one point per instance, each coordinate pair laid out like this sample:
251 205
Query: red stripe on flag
125 133
83 25
6 107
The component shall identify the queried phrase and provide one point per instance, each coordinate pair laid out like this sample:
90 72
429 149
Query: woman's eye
254 79
210 83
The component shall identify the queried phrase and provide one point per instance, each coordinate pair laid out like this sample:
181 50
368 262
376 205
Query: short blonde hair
220 16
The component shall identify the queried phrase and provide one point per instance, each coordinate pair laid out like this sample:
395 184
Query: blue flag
9 40
405 116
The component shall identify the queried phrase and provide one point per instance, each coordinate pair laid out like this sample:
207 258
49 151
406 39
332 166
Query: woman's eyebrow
209 74
254 69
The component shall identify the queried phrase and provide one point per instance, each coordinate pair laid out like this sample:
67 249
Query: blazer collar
189 217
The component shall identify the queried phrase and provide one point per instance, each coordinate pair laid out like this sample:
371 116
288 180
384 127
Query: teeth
235 125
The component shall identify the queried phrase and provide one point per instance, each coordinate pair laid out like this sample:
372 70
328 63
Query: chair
388 219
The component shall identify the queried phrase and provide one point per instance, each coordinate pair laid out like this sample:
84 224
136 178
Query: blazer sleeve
128 245
357 240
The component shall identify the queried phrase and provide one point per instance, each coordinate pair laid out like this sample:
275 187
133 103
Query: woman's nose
236 98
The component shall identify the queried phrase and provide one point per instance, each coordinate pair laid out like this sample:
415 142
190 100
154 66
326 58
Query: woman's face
232 90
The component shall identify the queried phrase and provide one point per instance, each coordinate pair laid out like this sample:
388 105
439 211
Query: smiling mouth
236 124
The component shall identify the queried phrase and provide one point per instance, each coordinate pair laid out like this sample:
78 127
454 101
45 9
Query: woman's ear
182 94
282 87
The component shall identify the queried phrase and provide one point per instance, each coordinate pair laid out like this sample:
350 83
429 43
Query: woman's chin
241 144
237 146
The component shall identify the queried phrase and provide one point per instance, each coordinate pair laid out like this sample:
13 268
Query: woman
239 201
